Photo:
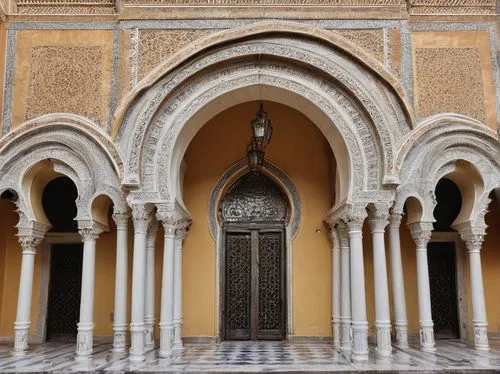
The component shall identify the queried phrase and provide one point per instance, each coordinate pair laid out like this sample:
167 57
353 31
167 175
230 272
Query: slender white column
398 287
141 215
473 239
345 288
120 316
149 318
29 241
180 234
167 290
421 234
335 288
84 339
378 220
358 299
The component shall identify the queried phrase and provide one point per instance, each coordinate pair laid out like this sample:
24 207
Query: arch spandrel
345 97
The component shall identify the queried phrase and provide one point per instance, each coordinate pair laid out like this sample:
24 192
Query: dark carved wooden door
253 259
65 289
443 284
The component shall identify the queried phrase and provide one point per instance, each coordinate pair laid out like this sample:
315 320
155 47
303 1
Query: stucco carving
157 45
449 80
66 79
268 2
470 7
370 39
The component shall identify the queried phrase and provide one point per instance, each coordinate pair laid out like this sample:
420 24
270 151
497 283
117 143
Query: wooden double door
254 306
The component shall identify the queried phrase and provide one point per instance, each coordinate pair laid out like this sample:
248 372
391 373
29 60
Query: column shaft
120 316
149 318
84 340
398 287
335 288
180 234
421 233
167 293
358 299
345 289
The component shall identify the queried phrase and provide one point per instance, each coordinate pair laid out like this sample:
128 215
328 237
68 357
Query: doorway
443 285
253 212
64 292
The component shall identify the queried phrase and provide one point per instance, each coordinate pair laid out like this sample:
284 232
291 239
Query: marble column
120 325
84 339
398 286
149 318
421 234
378 220
359 322
335 288
345 287
180 234
141 215
29 240
473 239
167 289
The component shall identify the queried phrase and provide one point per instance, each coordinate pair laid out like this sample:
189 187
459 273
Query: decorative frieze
456 7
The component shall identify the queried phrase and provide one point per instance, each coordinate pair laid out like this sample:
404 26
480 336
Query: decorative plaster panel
449 80
267 2
157 45
371 40
479 7
65 79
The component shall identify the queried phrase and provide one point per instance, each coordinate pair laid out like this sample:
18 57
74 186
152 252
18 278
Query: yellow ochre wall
300 150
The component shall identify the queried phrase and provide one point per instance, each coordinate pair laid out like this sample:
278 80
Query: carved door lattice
65 290
254 212
442 277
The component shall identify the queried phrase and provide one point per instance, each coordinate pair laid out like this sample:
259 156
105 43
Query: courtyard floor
244 357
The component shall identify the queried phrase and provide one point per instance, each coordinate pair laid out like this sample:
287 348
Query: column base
336 333
149 338
137 342
21 336
360 341
427 343
345 335
401 334
84 340
119 338
166 340
383 335
481 336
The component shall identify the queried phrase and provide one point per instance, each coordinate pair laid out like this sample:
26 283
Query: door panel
443 284
238 278
254 284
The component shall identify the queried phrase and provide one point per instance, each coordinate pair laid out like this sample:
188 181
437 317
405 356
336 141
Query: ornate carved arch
346 101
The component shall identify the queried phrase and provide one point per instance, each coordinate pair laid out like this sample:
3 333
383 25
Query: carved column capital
395 219
421 234
152 232
181 231
31 235
473 237
355 217
378 217
141 215
121 220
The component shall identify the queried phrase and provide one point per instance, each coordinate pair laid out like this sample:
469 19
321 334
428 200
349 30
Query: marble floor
246 357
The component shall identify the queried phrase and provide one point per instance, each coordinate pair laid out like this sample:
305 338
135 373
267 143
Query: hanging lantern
262 128
255 155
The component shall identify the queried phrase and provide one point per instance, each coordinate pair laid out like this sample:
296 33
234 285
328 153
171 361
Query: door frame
247 228
46 253
461 285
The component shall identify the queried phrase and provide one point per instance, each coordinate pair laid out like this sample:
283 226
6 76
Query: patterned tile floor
246 357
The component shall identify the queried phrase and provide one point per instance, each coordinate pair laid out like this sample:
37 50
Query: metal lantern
255 155
262 128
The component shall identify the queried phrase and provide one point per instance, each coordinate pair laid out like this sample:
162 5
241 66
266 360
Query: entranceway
64 292
443 284
254 212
